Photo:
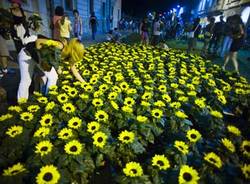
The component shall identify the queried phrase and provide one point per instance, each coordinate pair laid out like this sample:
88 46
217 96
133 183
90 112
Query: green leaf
137 147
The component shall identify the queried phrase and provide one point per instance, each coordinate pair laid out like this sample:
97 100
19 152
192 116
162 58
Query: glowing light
245 14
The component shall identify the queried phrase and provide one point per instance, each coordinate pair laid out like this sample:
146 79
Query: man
77 25
93 24
156 31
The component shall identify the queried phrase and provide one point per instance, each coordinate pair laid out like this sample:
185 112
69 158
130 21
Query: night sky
139 8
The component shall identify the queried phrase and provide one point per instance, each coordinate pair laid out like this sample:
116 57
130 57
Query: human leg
235 62
52 78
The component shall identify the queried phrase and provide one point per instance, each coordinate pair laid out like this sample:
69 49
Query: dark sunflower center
100 139
212 160
73 92
160 163
157 114
47 177
14 132
47 121
247 148
14 172
73 149
193 136
187 176
126 138
75 123
66 134
129 102
68 108
63 98
44 148
93 128
101 116
181 147
26 117
123 86
97 103
134 171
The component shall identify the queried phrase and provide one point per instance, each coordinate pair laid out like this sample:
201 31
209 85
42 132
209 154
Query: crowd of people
28 44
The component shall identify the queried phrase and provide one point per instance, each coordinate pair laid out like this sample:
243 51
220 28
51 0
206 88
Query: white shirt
157 28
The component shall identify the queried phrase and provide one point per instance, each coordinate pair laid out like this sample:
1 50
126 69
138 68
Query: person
156 31
218 32
144 31
193 35
65 28
208 32
113 36
59 12
77 25
227 40
238 35
20 25
93 24
73 53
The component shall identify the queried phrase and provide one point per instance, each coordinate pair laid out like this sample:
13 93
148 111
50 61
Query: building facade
108 12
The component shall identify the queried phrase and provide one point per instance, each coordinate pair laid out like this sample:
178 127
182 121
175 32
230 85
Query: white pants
50 78
26 65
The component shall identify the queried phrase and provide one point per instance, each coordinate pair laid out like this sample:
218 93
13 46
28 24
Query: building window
69 5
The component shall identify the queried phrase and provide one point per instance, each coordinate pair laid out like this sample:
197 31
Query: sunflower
62 98
126 137
157 113
66 88
166 98
75 123
14 131
26 116
124 86
65 134
68 108
97 102
133 169
175 105
228 144
127 109
181 146
193 135
114 105
100 139
43 148
129 101
15 108
234 130
112 95
73 147
147 96
42 100
33 108
103 87
213 159
42 132
200 102
181 114
46 120
246 170
101 115
245 147
159 103
22 100
188 175
161 162
72 92
14 170
88 88
5 117
162 88
93 127
48 174
142 119
50 106
216 114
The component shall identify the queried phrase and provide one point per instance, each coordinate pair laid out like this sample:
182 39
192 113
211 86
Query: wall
117 12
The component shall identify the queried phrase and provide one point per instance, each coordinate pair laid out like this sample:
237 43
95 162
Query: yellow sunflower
50 106
65 134
162 88
100 139
166 98
5 117
42 100
142 119
124 86
42 132
213 159
43 148
133 169
193 135
114 105
97 102
101 116
216 114
112 95
72 92
48 174
245 147
127 109
200 103
62 98
14 170
234 130
228 144
147 96
46 120
13 131
181 114
33 108
157 113
129 101
246 170
75 123
93 127
181 146
73 147
126 137
15 108
188 175
161 162
68 108
26 116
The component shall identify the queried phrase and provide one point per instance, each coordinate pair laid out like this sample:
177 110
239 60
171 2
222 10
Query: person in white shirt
156 31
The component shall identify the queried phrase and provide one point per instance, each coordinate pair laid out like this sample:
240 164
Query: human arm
76 73
81 26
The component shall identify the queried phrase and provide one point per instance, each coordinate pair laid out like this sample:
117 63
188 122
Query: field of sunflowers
144 115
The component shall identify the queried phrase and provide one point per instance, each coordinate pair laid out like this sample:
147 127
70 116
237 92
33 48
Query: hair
73 52
212 20
59 11
75 11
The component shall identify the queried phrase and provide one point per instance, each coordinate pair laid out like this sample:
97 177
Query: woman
59 12
65 28
77 25
237 30
144 31
193 35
